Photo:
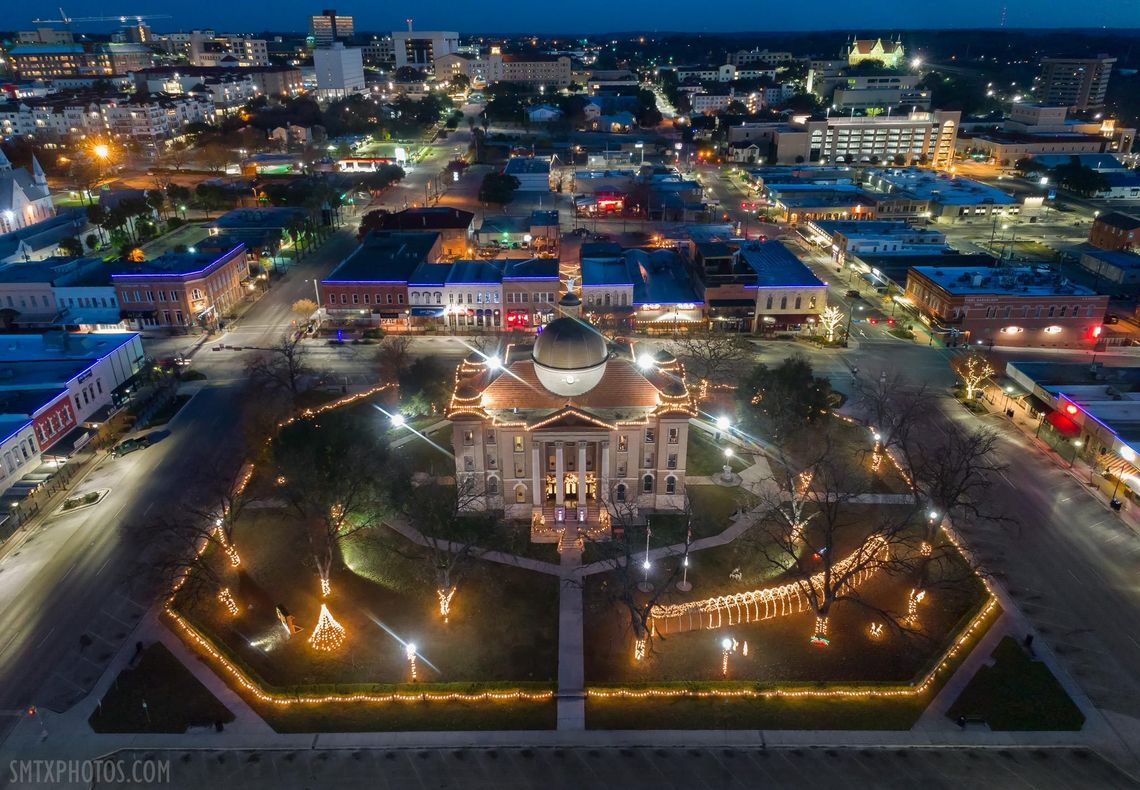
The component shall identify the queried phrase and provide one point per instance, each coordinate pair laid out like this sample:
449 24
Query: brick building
181 289
1115 231
1006 307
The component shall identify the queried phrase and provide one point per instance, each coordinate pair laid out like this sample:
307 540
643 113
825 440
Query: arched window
196 294
619 492
783 303
769 302
811 303
624 298
415 297
608 300
670 485
647 484
438 297
492 486
798 299
520 493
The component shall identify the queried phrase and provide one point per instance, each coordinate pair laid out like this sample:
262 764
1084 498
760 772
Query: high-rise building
340 70
1079 83
420 49
328 26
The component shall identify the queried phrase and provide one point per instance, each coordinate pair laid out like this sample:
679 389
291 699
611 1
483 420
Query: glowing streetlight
915 63
933 514
645 361
493 362
726 643
101 151
722 423
398 421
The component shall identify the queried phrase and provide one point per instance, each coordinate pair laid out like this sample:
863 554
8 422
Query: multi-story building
570 432
880 91
53 387
749 57
1079 83
154 120
454 226
340 71
529 69
45 61
1035 129
60 292
1007 306
875 237
420 49
329 26
45 35
916 137
379 52
181 289
1115 230
531 288
889 53
24 196
210 49
230 87
371 284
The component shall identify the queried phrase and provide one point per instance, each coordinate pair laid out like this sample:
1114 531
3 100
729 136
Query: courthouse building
571 430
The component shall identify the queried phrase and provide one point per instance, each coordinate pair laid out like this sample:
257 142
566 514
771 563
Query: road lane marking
46 636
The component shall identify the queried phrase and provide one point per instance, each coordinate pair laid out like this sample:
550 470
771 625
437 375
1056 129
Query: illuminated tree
831 318
303 308
974 369
715 357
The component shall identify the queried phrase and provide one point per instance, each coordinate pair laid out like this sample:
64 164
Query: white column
536 474
604 472
559 475
581 474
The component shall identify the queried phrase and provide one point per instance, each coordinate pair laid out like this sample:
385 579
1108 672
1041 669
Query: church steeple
38 172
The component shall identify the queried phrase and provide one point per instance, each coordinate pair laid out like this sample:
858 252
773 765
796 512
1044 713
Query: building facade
1006 307
1079 83
1115 230
181 289
340 71
571 433
329 26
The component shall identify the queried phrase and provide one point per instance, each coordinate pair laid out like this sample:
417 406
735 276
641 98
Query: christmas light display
639 647
445 602
228 601
819 638
767 603
326 588
913 600
410 653
329 635
875 631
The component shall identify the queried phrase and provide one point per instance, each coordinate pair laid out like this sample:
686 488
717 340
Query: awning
1037 404
428 312
1063 424
69 444
732 303
382 314
1113 464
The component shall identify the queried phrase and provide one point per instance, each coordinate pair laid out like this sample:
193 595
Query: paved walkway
571 672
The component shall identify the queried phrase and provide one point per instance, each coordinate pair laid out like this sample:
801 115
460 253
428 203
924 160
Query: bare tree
282 366
330 473
454 530
821 543
170 558
393 356
715 357
177 156
218 501
626 553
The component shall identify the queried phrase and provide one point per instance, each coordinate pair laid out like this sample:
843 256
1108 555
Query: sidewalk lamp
1077 444
398 421
722 426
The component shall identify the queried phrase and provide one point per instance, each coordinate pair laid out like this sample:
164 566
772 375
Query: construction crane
67 20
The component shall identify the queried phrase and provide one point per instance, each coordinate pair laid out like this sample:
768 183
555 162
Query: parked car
130 445
1111 318
852 293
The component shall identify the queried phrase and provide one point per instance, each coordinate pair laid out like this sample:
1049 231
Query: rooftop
937 187
1118 258
62 346
428 218
179 264
268 217
1118 219
1023 281
524 165
385 256
776 266
863 228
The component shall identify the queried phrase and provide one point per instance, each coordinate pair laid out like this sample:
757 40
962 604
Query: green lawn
1017 693
713 506
430 453
705 458
175 700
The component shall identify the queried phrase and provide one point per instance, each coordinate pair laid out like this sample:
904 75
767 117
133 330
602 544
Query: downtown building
570 432
56 389
1077 83
1006 306
917 137
181 290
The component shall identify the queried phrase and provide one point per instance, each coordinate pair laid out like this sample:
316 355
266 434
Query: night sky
593 16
